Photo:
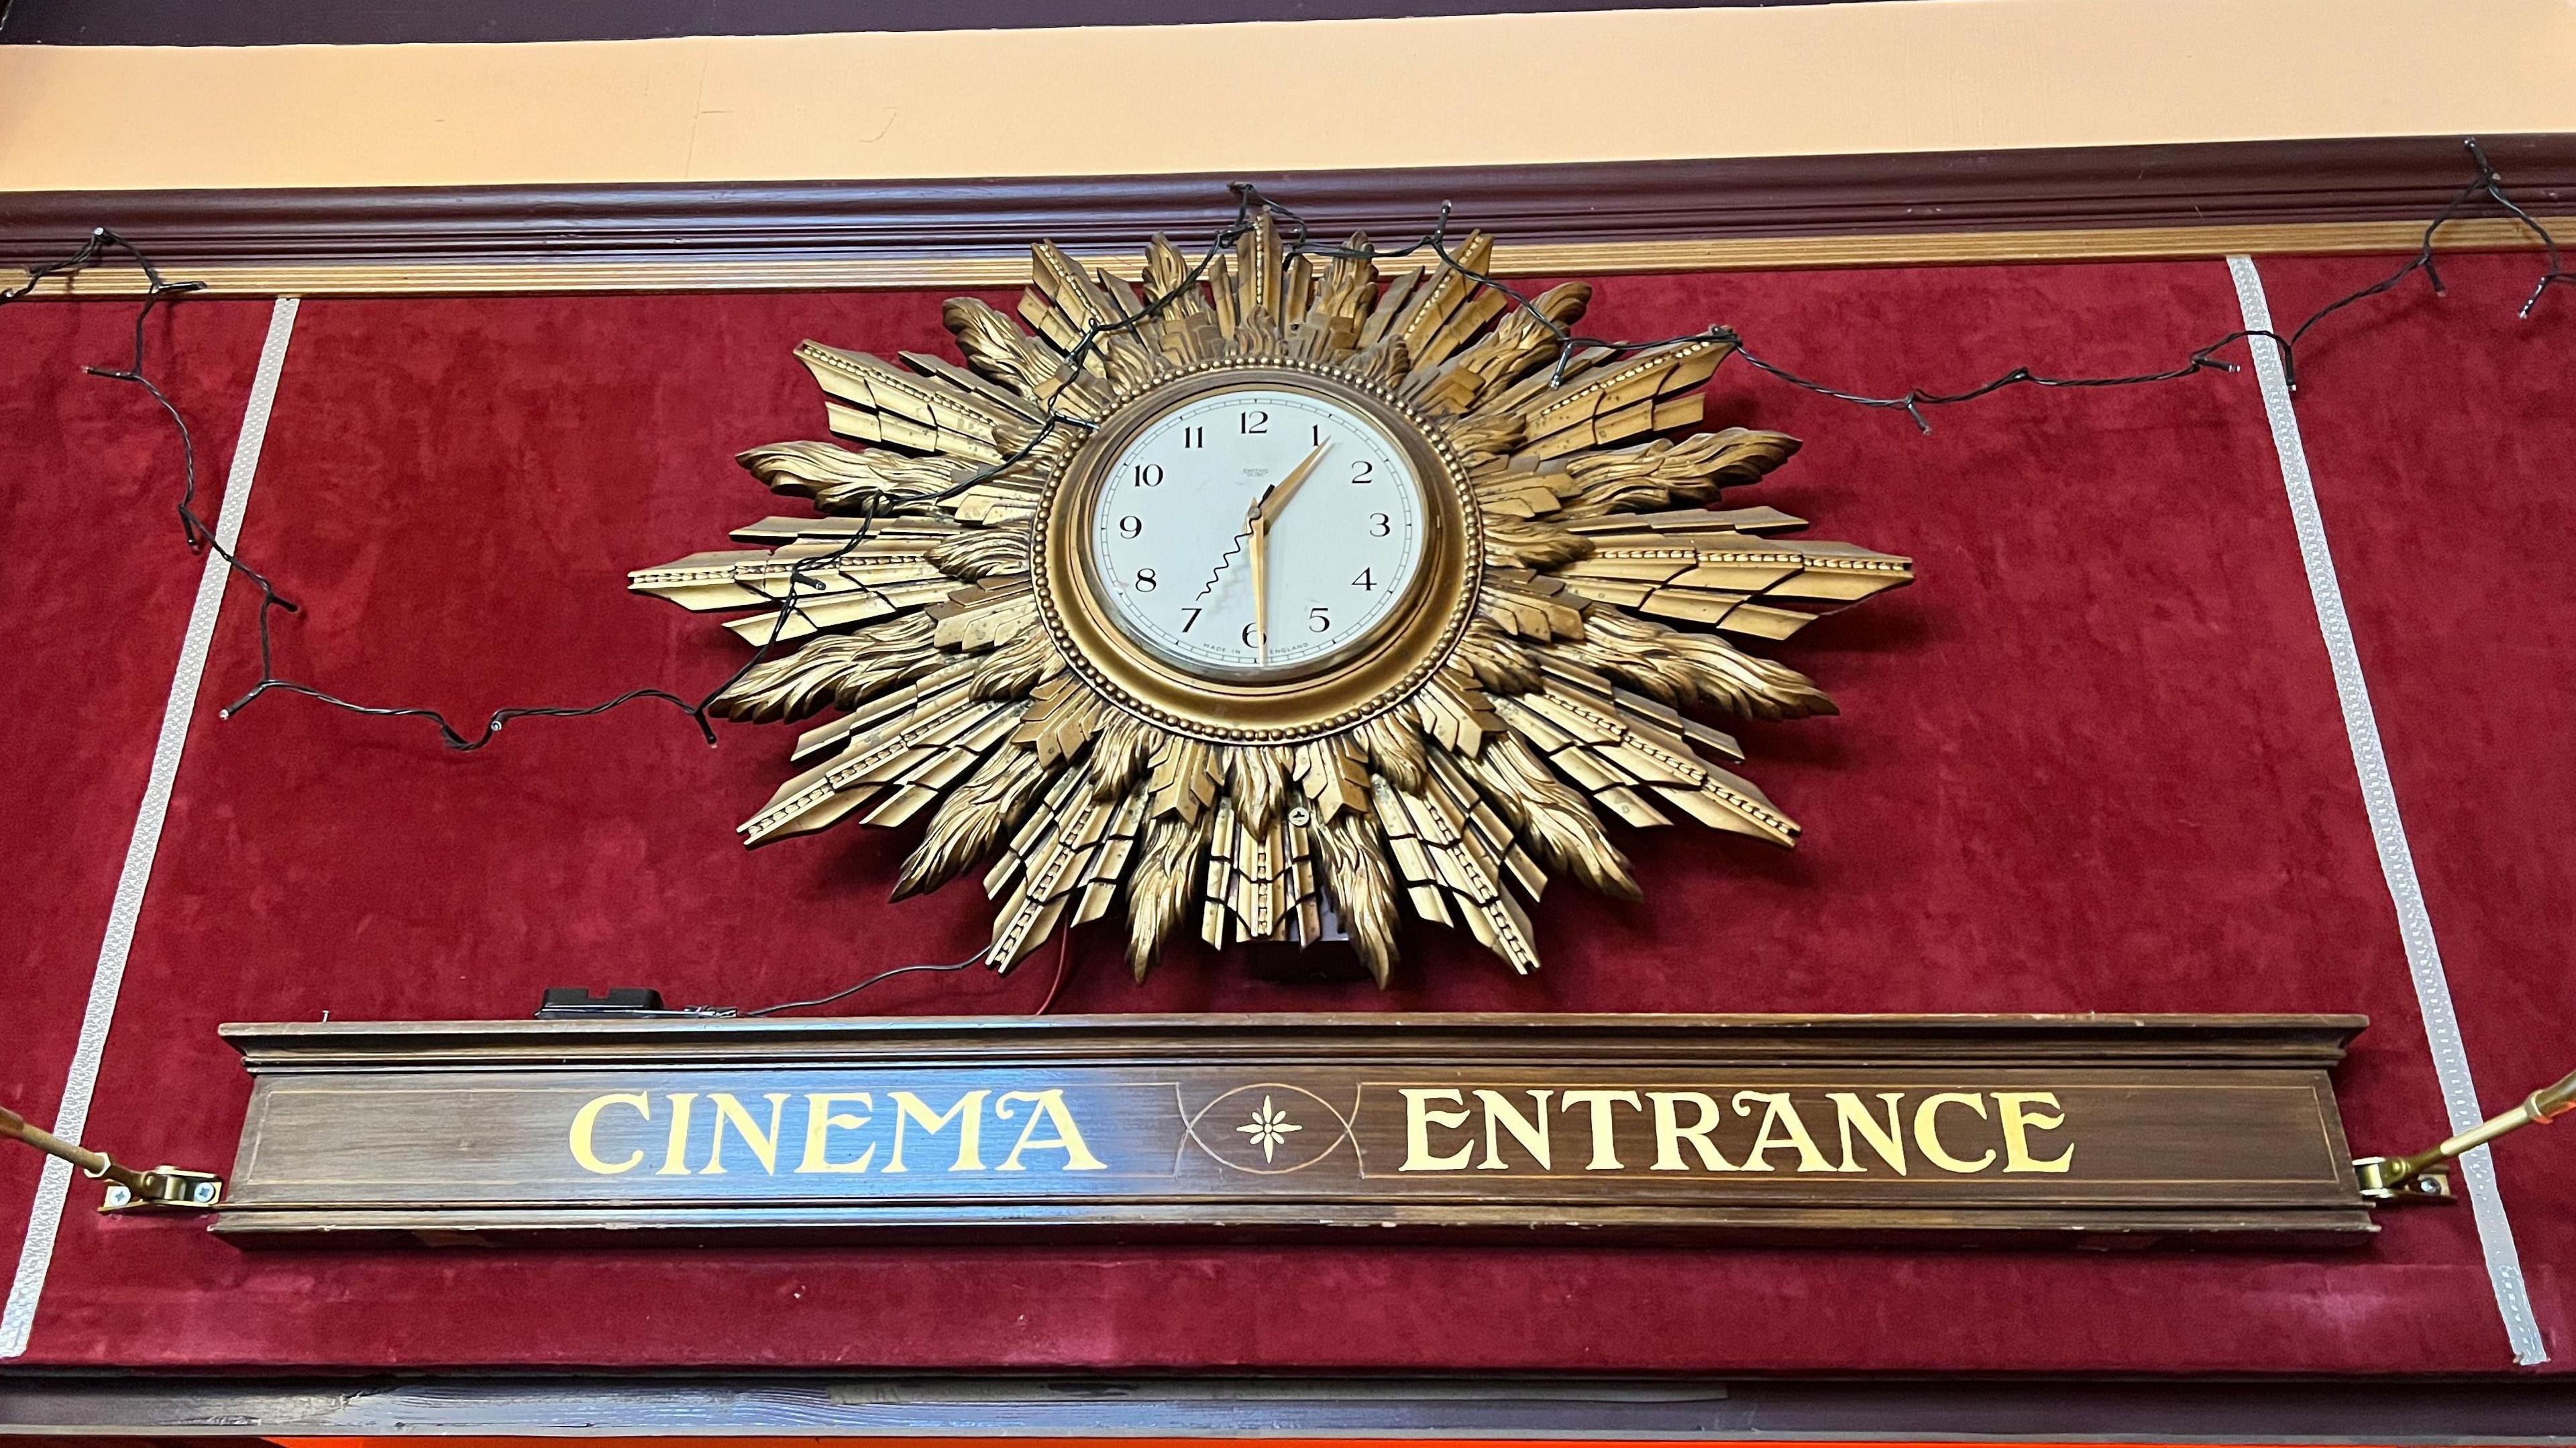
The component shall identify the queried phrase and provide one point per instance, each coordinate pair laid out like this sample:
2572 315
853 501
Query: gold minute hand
1265 511
1260 547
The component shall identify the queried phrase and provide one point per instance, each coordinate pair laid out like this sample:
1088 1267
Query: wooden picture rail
1647 1126
2079 203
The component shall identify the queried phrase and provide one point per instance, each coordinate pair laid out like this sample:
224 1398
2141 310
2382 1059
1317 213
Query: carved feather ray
1610 599
1649 392
840 670
877 402
1186 326
1014 359
987 807
838 480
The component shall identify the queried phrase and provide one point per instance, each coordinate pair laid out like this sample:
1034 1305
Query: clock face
1257 533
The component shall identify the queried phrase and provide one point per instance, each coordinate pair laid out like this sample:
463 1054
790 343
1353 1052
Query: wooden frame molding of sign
1241 1127
1763 213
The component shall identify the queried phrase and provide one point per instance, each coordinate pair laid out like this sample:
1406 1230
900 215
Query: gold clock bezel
1363 678
1098 591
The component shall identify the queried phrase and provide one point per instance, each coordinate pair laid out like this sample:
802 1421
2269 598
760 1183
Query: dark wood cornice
2122 200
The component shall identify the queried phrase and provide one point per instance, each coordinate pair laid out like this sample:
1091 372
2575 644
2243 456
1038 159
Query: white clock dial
1312 501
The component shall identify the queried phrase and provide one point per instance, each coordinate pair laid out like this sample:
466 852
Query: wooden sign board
1662 1126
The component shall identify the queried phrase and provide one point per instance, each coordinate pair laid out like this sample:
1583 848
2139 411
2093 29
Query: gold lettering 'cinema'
839 1132
1397 1130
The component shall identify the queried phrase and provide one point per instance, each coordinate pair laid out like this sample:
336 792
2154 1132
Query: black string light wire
193 529
848 991
103 242
871 506
2486 184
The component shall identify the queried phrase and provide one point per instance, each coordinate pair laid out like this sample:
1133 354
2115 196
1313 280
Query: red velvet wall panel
94 595
2091 761
2443 443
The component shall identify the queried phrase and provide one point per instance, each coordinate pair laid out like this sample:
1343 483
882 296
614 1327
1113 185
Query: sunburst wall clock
1269 598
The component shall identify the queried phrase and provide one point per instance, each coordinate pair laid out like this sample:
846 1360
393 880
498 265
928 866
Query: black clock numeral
1194 437
1148 475
1188 623
1380 525
1130 526
1367 580
1252 636
1319 621
1364 472
1145 582
1255 421
1319 434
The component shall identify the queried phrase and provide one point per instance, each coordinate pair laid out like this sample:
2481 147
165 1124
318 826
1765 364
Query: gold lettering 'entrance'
1699 1132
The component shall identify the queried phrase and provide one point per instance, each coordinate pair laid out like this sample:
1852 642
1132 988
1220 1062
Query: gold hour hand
1275 501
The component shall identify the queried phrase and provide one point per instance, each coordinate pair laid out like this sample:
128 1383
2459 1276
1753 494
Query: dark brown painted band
2267 183
2492 1409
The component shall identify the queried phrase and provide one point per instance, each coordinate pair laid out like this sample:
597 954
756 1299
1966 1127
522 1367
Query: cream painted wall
1926 75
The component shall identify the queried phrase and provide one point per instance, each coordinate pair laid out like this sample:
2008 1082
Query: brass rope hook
128 1190
2417 1178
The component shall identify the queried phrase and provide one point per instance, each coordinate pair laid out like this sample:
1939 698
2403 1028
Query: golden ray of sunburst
1609 595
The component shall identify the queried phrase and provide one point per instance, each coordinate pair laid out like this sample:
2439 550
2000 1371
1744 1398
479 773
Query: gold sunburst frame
1532 685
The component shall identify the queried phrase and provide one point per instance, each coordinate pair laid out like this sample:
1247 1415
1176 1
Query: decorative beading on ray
1609 597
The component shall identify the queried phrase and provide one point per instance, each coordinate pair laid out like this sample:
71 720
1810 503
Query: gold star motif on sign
1269 1128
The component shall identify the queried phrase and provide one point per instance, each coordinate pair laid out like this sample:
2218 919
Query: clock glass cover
1257 533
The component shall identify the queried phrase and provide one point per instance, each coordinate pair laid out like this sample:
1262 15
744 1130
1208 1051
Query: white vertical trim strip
2387 830
35 1255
